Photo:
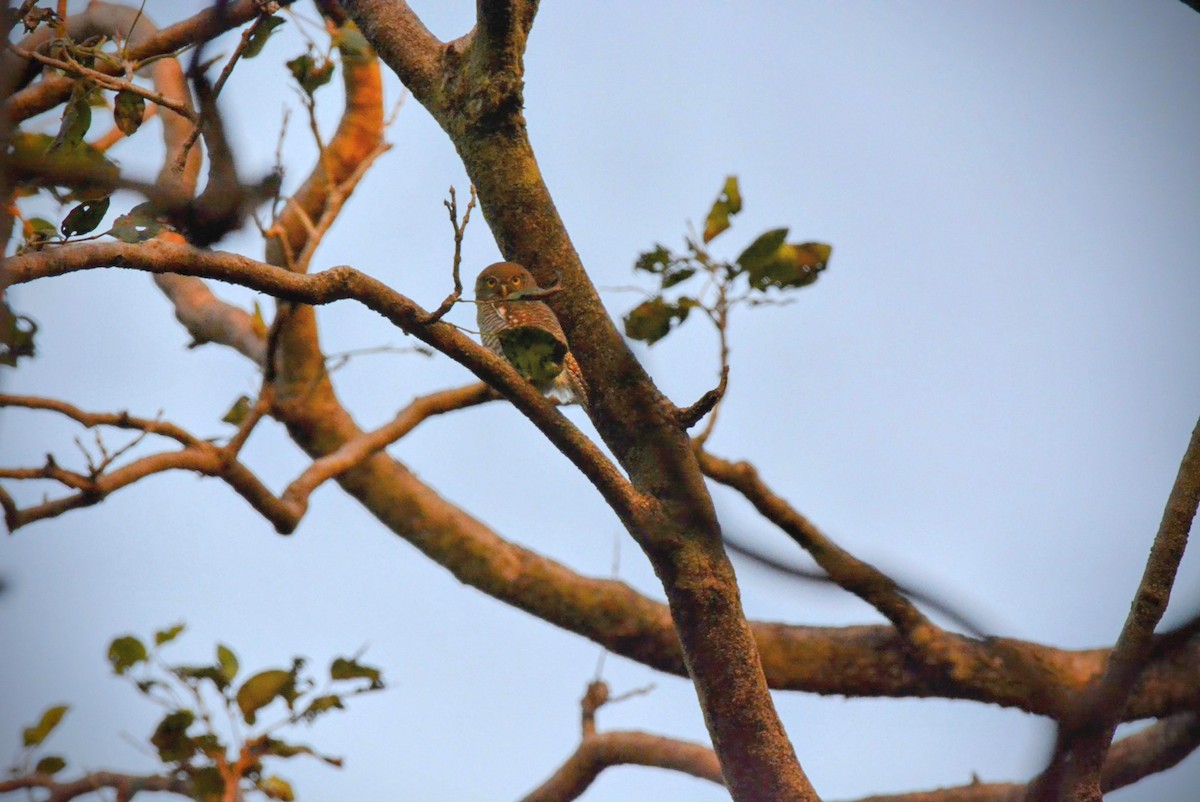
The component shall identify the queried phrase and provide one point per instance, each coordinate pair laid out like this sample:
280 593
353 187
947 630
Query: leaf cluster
767 268
186 738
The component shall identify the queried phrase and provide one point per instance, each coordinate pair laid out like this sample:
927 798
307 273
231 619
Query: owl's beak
503 292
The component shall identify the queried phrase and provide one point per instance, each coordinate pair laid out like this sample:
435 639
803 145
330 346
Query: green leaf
651 320
50 719
536 353
238 412
126 652
727 204
261 34
84 218
129 109
227 661
190 674
209 745
207 784
41 225
50 764
322 704
170 737
276 788
141 223
800 264
655 261
762 250
352 669
771 262
261 689
673 277
167 635
273 746
76 119
16 336
310 74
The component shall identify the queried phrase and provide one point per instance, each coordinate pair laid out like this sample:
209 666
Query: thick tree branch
1149 751
954 655
478 103
403 41
1085 733
502 27
1157 748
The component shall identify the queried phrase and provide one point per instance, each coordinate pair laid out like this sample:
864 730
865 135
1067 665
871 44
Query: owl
526 332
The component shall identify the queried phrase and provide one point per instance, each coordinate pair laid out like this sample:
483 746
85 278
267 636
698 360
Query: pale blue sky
989 391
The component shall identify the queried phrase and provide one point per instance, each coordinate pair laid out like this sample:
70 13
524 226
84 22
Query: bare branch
1154 749
599 751
354 452
856 576
1085 733
459 230
932 602
691 415
605 750
196 455
119 420
226 71
341 283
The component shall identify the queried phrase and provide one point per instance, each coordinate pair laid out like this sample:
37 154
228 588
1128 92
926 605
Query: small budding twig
459 229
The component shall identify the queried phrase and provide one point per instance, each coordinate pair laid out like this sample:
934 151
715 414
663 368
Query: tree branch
143 43
408 47
196 455
125 785
601 751
862 579
1154 749
476 97
354 452
1085 733
343 283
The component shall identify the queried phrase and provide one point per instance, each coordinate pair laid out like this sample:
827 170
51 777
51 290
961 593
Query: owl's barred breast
499 314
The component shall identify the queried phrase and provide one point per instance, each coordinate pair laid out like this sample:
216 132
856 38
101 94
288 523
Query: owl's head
503 280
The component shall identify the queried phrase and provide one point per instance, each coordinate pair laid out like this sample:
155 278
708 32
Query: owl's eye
491 282
516 281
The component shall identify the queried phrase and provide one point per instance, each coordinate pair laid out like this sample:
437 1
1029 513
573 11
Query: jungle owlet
526 332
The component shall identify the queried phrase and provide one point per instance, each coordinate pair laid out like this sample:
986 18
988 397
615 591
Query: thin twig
107 81
451 299
226 71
